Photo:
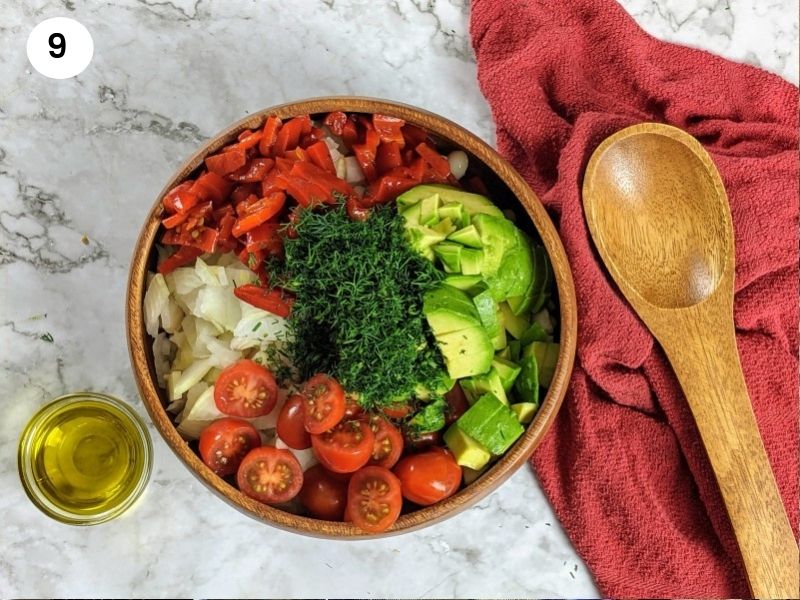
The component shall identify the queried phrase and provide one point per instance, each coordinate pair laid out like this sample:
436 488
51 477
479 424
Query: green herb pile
358 309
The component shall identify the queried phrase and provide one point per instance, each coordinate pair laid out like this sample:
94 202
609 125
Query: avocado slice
515 350
450 255
468 236
524 411
487 383
422 238
546 355
543 267
448 309
526 387
498 237
490 423
466 352
411 214
507 371
473 203
533 299
471 261
534 333
487 311
455 212
467 452
444 226
429 210
500 341
514 324
462 282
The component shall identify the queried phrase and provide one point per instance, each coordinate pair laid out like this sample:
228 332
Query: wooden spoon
659 216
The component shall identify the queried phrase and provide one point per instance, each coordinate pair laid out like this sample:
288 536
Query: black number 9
58 45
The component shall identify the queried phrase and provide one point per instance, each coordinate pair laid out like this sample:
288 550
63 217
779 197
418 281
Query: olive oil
84 458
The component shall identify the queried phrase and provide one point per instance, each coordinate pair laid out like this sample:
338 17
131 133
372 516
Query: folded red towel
623 464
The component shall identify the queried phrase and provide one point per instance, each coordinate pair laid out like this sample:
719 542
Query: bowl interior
506 188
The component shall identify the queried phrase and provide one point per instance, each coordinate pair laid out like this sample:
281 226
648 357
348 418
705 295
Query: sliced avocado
534 333
467 451
450 255
422 238
468 236
500 341
453 211
487 311
526 387
444 226
515 350
462 282
411 214
524 411
448 309
505 353
471 261
534 300
507 371
466 352
429 210
546 354
490 423
498 237
488 383
514 324
470 389
473 203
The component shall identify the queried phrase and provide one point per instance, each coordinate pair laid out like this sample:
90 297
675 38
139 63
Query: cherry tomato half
245 389
345 448
291 423
388 443
270 475
323 495
374 499
225 442
351 407
324 403
428 477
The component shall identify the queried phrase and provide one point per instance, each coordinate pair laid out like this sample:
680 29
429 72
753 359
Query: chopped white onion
458 163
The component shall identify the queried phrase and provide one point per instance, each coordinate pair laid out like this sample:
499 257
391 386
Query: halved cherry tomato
388 443
429 477
374 499
291 423
245 389
227 162
225 442
397 411
324 403
457 404
273 300
268 135
389 128
182 256
351 407
323 495
270 475
345 448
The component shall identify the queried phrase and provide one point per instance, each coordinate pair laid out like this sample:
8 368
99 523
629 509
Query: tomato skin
374 499
388 443
264 470
291 423
325 403
429 477
420 441
323 495
245 389
225 442
345 448
397 411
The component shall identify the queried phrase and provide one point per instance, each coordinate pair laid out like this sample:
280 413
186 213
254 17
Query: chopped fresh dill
358 309
256 326
47 337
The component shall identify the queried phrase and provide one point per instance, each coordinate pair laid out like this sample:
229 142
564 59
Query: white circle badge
60 48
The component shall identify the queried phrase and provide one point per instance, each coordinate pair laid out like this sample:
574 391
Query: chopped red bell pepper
182 256
210 186
283 165
365 154
268 185
274 300
438 163
388 157
265 238
413 135
260 212
289 135
227 162
252 171
320 155
243 192
356 210
305 192
268 135
388 188
389 128
249 139
313 173
178 198
336 121
350 132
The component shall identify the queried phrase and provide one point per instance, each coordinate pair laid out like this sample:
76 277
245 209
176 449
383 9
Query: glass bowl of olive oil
85 458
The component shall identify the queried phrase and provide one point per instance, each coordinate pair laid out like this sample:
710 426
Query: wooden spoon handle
706 361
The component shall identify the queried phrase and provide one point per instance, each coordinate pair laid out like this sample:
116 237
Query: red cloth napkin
623 464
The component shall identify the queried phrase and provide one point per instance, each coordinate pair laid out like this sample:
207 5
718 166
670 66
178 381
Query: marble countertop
86 156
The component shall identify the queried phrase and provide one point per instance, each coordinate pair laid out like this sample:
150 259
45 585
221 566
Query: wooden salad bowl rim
139 344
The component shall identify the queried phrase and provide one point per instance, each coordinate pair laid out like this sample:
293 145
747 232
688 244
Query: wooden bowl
507 189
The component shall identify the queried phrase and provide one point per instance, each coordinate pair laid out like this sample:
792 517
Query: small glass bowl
85 458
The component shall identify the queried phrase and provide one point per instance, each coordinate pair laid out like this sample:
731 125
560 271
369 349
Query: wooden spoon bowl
507 189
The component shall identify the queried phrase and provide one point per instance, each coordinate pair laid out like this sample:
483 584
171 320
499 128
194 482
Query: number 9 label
60 48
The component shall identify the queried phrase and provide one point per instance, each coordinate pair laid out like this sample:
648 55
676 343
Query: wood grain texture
504 183
659 216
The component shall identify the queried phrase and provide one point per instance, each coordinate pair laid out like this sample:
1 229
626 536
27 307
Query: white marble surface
86 156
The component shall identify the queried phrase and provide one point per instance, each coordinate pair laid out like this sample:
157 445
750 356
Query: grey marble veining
81 161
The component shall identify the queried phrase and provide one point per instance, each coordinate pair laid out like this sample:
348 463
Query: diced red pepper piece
265 238
350 132
305 192
254 170
315 135
413 135
289 135
259 213
268 185
389 128
227 162
268 135
388 157
249 139
365 154
177 198
243 192
320 155
284 165
182 256
298 154
476 185
336 121
274 300
356 210
210 186
311 172
438 163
